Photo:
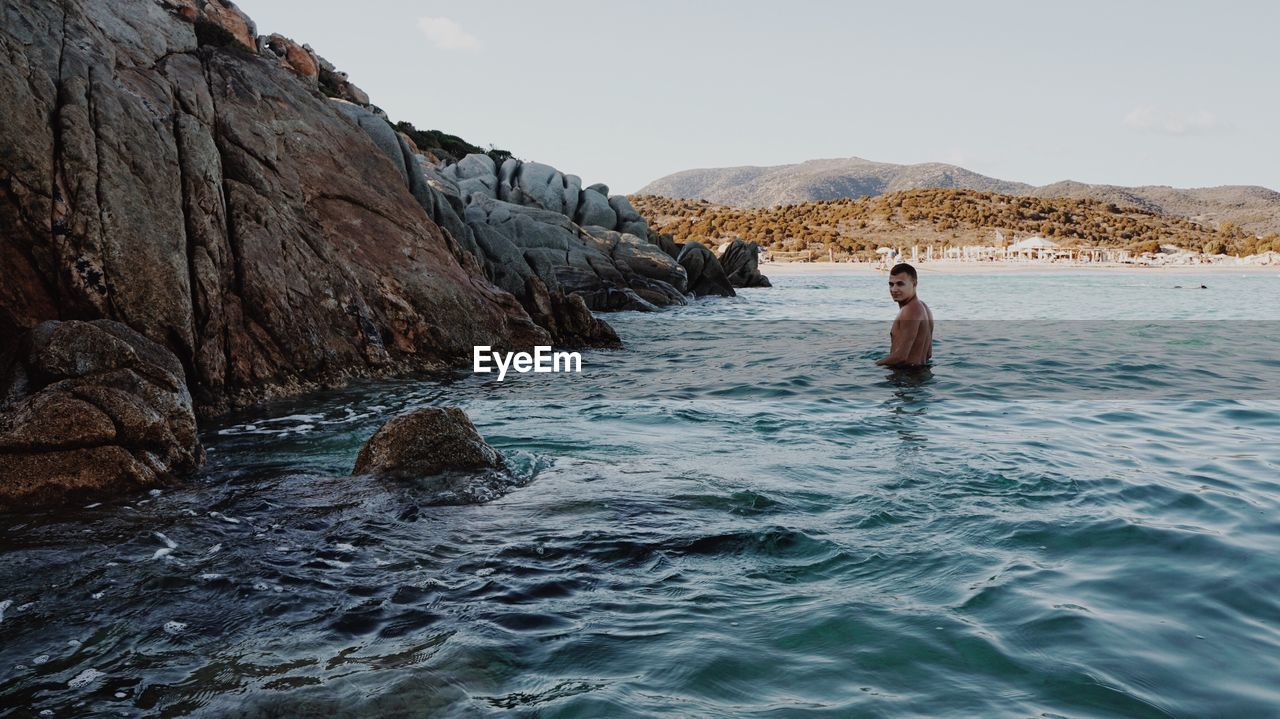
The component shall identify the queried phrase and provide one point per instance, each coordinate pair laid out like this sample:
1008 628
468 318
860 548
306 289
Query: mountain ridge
1251 207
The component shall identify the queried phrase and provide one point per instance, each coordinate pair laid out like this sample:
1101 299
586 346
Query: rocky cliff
240 206
212 199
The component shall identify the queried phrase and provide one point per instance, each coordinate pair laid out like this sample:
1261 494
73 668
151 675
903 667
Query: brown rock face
425 442
91 408
215 202
295 57
231 19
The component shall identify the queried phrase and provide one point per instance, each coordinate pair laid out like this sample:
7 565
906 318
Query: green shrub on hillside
449 147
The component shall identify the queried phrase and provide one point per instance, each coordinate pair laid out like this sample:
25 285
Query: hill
942 217
1255 209
818 180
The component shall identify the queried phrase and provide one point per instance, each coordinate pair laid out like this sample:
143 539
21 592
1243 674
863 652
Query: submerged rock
91 408
440 451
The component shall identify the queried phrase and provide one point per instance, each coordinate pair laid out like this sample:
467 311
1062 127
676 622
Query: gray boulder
629 220
546 187
477 165
594 209
478 186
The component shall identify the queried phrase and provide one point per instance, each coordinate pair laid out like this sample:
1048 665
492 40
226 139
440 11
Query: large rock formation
510 243
214 201
528 219
89 408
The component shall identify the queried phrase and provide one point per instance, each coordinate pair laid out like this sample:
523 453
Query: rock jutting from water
741 263
426 441
441 453
91 408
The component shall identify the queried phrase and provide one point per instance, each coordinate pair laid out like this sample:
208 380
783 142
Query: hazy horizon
1140 94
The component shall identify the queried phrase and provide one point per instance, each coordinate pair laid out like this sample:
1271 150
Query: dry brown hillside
941 217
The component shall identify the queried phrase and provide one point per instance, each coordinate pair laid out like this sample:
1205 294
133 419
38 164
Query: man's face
901 287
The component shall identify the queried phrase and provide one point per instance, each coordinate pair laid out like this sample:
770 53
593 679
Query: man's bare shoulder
915 311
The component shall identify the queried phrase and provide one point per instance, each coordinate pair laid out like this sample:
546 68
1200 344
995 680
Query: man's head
902 283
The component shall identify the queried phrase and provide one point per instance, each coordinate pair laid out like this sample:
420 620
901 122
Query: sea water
1073 513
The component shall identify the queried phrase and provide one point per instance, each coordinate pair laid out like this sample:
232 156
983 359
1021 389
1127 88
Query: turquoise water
734 517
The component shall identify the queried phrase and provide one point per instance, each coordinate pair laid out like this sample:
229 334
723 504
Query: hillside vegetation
941 217
1255 209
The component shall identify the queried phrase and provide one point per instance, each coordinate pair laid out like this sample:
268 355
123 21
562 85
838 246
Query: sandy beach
982 268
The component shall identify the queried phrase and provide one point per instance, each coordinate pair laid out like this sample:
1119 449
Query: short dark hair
903 268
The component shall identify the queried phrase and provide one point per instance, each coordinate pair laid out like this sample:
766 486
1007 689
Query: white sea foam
174 627
162 553
210 576
298 418
84 678
167 542
223 517
40 659
3 606
214 549
343 546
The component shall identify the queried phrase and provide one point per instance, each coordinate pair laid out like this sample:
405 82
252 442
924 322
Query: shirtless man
911 339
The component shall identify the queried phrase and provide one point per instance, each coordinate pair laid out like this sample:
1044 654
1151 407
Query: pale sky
1128 93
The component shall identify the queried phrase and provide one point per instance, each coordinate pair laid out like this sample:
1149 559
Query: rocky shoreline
237 203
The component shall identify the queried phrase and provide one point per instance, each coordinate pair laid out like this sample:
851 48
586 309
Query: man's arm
904 335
